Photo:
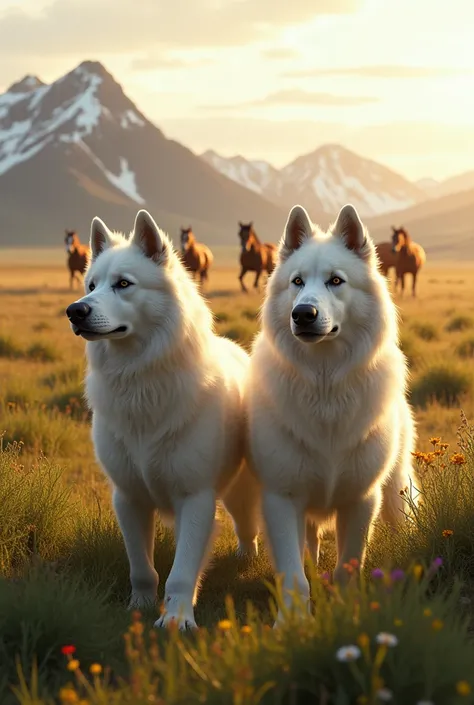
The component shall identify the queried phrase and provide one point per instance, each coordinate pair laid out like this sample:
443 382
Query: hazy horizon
391 81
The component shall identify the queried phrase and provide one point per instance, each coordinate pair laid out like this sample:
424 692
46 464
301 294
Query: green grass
445 383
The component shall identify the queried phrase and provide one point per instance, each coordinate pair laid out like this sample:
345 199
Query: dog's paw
176 611
248 549
142 601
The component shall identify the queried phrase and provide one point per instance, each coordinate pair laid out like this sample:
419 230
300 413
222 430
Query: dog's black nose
78 312
304 314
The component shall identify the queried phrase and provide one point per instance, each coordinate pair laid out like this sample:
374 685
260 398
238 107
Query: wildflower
136 616
437 563
374 606
73 665
325 576
377 573
398 622
447 533
224 625
69 695
444 446
386 639
463 688
246 629
348 653
418 454
417 571
95 669
435 441
68 650
348 568
427 612
363 640
384 694
457 459
354 562
437 624
398 574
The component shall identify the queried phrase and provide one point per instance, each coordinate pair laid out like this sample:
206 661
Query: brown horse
410 257
254 256
197 258
78 256
387 257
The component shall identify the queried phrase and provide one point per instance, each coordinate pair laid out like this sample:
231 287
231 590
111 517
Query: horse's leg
241 279
71 279
413 291
402 283
257 277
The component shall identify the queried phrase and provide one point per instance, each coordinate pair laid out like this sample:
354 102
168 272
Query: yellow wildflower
224 625
435 441
463 688
417 571
374 606
447 533
95 669
427 612
246 629
437 624
457 459
363 640
73 665
68 695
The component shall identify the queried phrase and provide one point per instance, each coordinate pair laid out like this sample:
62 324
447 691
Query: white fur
331 432
168 423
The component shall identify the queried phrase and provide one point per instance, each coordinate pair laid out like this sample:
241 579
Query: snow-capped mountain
324 180
79 147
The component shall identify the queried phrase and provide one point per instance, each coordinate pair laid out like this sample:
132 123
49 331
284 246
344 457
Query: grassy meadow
64 572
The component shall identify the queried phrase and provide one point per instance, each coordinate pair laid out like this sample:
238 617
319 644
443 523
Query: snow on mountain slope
35 116
324 180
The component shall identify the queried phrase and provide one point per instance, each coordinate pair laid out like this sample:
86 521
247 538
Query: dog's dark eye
123 283
336 281
91 286
297 281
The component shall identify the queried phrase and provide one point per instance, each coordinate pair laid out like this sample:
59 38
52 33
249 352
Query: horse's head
70 240
246 235
399 239
187 238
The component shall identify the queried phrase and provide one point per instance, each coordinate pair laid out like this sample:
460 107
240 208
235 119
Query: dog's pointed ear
298 229
350 229
100 237
149 238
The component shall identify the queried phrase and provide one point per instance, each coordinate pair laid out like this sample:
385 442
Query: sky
392 80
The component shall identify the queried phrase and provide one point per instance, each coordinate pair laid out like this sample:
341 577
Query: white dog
331 432
167 400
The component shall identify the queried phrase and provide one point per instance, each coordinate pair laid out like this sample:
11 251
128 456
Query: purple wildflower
325 576
437 563
377 573
398 574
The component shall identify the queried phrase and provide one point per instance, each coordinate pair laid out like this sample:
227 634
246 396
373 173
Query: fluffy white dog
331 432
168 419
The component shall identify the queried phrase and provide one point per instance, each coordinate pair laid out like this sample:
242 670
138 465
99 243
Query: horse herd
399 253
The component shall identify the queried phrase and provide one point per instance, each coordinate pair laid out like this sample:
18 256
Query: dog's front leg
285 522
194 523
137 522
354 523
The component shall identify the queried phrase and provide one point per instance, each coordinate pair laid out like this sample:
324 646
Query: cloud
380 72
279 53
66 27
296 97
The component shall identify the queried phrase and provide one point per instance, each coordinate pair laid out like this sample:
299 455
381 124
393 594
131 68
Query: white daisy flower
348 653
384 694
386 639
